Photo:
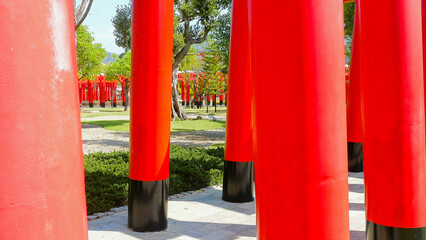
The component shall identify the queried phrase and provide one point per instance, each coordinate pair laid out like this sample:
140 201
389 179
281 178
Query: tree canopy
89 54
349 9
121 67
122 22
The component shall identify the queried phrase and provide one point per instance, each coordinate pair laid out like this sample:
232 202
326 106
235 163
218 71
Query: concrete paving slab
203 215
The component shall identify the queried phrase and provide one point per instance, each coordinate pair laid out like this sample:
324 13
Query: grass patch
176 126
86 112
217 145
191 168
221 111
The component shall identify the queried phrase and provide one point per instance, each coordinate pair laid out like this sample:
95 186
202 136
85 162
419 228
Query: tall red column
300 148
114 94
188 93
354 113
238 182
41 174
182 90
102 91
152 53
90 92
123 90
394 135
80 97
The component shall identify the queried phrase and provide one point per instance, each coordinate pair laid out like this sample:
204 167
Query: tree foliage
121 67
221 37
212 81
122 22
89 54
349 9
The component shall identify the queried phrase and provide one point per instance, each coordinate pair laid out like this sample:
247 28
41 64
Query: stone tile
204 215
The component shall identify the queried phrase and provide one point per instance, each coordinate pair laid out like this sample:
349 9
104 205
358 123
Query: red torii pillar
102 91
90 92
188 93
41 174
238 178
354 114
123 90
394 118
300 151
80 97
182 91
152 54
114 94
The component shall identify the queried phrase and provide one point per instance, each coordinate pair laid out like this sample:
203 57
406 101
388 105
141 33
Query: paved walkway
203 215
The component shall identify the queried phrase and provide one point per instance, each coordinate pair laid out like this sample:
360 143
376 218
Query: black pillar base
226 104
102 104
221 102
355 157
208 103
183 103
214 104
379 232
148 205
124 104
238 182
114 104
91 105
187 104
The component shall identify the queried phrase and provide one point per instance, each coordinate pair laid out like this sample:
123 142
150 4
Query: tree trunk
81 12
177 110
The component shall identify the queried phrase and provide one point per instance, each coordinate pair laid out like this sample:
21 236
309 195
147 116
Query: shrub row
191 168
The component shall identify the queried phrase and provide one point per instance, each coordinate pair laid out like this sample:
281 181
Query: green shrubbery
107 174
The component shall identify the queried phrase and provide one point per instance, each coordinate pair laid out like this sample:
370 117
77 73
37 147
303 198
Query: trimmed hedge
191 168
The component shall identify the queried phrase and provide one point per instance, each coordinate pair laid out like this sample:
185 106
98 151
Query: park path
96 138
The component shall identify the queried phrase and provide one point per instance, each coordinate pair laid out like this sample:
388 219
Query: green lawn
176 126
217 145
96 112
108 111
221 111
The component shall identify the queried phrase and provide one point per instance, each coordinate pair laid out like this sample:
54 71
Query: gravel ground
96 138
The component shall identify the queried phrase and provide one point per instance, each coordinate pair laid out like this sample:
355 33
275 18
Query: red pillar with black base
90 92
152 54
394 118
102 91
300 148
354 114
42 193
182 91
238 178
188 94
114 94
123 90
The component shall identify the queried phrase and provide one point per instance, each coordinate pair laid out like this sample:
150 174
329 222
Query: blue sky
99 22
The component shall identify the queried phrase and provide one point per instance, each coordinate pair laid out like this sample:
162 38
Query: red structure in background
302 148
182 91
102 90
238 179
394 115
152 54
41 175
353 95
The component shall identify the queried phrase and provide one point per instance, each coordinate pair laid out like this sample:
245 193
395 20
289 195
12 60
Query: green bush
191 168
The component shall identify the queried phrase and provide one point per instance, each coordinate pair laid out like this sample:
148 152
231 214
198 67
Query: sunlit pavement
203 215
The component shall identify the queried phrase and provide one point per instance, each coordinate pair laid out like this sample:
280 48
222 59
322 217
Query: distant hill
109 58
